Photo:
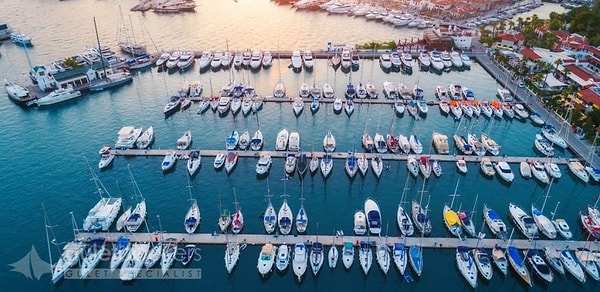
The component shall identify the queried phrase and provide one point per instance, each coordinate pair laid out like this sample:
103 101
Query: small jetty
260 239
336 155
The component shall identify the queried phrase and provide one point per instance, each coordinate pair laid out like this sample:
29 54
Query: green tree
72 63
586 23
556 24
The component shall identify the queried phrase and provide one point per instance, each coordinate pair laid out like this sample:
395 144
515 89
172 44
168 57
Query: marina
58 136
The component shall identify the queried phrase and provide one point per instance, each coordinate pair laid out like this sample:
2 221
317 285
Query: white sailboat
71 252
544 225
285 217
134 261
365 256
333 255
120 250
232 254
92 255
316 256
466 266
138 215
301 217
402 218
270 216
168 254
192 217
383 257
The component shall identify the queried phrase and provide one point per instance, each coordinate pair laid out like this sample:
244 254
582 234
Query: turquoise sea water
45 149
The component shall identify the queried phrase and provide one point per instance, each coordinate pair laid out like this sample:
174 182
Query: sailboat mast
74 225
546 196
99 48
47 225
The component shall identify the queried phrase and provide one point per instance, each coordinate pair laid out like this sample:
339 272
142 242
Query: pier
328 240
336 155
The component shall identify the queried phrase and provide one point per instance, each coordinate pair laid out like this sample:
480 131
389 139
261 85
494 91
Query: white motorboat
230 161
267 59
372 92
518 264
72 251
377 165
538 171
226 59
382 255
58 95
281 142
294 142
232 141
477 146
145 140
544 225
360 223
562 228
326 164
552 169
194 162
127 137
106 157
390 91
571 264
380 143
525 169
296 61
436 60
173 104
246 57
456 59
373 216
440 142
185 140
504 171
486 109
484 264
487 167
232 255
412 164
404 143
257 141
91 256
244 140
171 63
316 257
385 61
263 165
520 111
133 263
186 60
455 109
282 260
543 145
308 60
365 256
120 251
466 60
461 165
424 59
538 266
290 163
536 118
224 105
550 133
219 160
285 217
346 59
508 110
328 91
464 262
256 59
169 160
415 144
205 60
593 173
494 222
337 105
217 60
348 254
329 142
524 222
266 259
578 170
300 260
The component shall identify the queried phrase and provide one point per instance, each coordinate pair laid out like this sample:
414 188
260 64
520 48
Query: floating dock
336 155
328 240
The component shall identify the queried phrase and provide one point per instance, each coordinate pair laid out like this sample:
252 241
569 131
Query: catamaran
102 215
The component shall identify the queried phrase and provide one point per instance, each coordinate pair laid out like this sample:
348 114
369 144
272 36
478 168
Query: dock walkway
260 239
337 155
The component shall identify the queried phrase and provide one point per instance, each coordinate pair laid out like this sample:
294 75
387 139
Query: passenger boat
169 160
266 259
464 262
482 260
550 133
538 265
232 255
572 265
194 162
578 170
518 264
499 259
360 223
134 261
365 256
494 222
300 260
524 222
282 261
487 167
58 95
145 140
282 140
230 161
538 172
185 140
503 170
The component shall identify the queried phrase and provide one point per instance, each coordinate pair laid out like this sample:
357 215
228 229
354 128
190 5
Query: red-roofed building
513 41
574 44
594 58
530 54
590 96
